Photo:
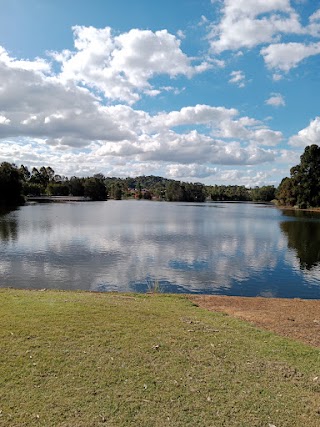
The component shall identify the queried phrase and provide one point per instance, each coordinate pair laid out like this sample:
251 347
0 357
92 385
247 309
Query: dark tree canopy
10 184
265 193
303 186
95 189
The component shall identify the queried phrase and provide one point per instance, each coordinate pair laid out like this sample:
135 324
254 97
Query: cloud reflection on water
237 249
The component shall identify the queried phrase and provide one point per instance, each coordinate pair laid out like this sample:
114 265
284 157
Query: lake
214 248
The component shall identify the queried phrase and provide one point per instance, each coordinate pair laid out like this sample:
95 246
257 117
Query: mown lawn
87 359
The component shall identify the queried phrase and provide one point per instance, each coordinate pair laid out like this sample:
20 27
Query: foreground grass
83 359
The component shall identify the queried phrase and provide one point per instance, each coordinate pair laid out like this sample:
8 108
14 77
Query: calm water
214 248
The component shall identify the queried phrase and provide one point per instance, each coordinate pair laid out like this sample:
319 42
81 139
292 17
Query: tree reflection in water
8 225
304 237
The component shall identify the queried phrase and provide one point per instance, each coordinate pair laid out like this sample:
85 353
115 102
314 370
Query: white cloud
248 177
197 115
238 78
122 66
4 120
276 100
71 118
61 121
39 106
181 34
288 157
203 21
315 17
38 65
284 56
220 121
248 130
307 136
276 77
248 23
265 136
187 148
178 171
314 24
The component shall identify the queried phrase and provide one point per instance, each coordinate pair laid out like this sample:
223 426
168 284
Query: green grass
84 359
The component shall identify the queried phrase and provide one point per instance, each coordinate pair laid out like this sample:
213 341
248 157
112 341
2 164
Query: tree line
301 189
18 183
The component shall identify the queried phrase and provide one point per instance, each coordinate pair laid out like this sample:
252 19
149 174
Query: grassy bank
83 359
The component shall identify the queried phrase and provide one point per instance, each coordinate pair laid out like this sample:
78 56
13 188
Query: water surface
215 248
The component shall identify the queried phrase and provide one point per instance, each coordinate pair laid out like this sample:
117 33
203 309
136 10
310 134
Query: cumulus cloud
307 136
38 65
187 148
251 23
197 115
42 107
178 171
71 121
69 118
248 23
249 130
276 100
4 120
314 24
248 177
39 106
121 66
276 77
284 56
237 78
220 121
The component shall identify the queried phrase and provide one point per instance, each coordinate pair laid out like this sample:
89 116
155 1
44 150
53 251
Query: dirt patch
294 318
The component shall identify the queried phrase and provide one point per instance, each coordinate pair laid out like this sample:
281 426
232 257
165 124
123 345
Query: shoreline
292 208
294 318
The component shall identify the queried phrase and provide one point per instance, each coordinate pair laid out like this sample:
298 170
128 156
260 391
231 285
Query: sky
212 91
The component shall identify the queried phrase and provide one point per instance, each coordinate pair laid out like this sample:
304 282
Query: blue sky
216 91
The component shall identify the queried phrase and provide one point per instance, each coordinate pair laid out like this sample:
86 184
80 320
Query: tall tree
10 184
95 189
285 193
303 186
306 177
76 186
25 173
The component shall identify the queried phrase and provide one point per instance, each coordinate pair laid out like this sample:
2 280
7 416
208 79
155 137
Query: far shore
87 199
294 208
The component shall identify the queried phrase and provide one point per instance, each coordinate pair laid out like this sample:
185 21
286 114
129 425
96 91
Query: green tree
32 189
306 178
285 193
76 186
303 186
265 193
58 189
94 189
10 184
174 192
115 189
24 173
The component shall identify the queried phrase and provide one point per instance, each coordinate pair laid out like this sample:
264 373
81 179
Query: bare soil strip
293 318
